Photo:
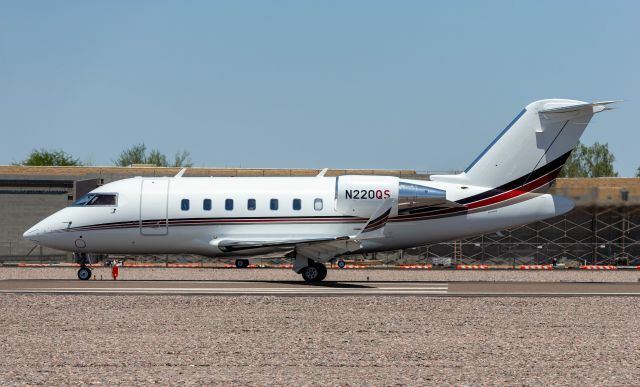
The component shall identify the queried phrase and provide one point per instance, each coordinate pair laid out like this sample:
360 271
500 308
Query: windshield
97 199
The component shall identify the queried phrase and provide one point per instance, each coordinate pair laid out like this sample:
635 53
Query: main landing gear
311 270
315 272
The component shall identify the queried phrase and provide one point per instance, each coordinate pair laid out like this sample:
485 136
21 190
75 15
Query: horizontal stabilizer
594 107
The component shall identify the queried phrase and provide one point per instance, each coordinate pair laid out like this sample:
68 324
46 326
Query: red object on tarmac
114 272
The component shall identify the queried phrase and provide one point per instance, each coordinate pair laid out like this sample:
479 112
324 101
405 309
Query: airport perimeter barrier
472 267
348 266
600 267
536 267
416 266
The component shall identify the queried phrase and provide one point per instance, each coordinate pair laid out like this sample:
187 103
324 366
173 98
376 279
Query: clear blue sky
342 84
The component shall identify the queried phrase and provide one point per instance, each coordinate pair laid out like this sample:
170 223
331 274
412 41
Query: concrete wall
29 194
20 211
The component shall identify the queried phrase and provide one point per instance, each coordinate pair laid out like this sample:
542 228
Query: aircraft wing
317 248
231 245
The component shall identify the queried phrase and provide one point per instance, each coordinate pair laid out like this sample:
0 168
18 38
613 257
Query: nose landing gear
84 273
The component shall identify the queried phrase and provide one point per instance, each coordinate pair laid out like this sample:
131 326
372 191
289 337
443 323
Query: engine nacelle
414 196
362 195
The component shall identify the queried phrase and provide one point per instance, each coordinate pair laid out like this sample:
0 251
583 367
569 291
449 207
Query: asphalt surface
267 327
329 288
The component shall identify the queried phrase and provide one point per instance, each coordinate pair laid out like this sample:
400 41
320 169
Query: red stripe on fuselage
529 187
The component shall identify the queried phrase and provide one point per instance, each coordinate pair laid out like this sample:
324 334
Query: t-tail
532 149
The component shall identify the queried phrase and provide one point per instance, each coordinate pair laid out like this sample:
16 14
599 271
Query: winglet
375 226
182 171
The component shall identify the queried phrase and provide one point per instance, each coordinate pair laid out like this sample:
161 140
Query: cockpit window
97 199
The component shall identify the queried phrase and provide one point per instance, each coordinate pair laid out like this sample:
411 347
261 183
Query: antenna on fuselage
182 171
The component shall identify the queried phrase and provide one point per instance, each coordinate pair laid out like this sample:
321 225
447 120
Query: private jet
315 220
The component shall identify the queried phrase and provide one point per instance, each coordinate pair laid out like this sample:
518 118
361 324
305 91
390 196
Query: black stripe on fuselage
519 182
221 220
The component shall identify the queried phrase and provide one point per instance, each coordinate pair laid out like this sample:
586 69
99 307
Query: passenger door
154 204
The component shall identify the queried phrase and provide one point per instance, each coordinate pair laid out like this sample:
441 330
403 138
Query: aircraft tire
84 273
315 272
323 271
341 264
242 263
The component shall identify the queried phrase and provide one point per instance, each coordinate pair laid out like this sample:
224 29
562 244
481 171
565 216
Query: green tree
638 172
599 161
590 161
157 158
137 154
183 159
50 157
574 166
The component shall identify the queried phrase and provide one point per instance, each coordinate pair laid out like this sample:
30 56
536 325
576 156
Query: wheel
84 273
323 271
342 264
242 263
315 272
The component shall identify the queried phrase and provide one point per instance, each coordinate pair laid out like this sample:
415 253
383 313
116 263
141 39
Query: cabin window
317 204
228 204
297 204
184 205
251 204
97 199
206 204
273 204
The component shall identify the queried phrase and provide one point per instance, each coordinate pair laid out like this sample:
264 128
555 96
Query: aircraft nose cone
33 233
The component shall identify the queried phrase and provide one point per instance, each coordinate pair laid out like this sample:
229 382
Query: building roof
606 191
29 172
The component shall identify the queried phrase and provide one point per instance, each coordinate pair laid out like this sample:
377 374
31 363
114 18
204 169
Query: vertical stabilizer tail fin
535 145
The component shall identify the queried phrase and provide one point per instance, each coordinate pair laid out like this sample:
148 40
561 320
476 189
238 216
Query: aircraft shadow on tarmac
326 284
323 284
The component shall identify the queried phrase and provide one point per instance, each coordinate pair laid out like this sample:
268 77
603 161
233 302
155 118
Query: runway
354 288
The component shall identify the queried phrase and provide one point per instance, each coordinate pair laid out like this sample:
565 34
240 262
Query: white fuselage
316 219
192 214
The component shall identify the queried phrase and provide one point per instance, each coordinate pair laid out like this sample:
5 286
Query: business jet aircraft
317 219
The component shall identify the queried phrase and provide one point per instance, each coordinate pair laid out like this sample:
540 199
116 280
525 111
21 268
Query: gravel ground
194 340
128 273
